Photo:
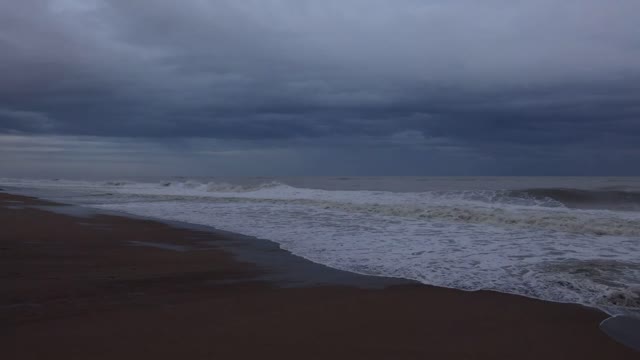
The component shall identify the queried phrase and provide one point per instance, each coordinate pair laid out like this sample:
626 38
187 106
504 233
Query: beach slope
83 286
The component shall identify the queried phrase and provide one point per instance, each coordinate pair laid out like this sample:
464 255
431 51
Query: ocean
563 239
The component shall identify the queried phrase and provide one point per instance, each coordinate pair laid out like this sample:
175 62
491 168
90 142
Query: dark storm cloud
489 76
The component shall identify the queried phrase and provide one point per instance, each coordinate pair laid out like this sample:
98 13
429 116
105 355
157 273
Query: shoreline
248 241
116 280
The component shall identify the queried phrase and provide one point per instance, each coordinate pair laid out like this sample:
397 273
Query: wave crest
584 199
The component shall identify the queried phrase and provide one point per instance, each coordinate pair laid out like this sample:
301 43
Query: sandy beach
78 286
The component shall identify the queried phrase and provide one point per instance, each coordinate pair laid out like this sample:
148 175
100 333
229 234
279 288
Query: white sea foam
483 238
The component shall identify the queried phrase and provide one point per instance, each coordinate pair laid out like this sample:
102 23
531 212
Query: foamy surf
554 239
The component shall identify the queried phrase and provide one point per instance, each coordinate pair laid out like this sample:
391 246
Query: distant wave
585 199
222 187
115 183
547 197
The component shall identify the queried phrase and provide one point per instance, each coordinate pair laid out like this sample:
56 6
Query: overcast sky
117 88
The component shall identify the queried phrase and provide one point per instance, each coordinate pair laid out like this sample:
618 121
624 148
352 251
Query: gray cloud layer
480 81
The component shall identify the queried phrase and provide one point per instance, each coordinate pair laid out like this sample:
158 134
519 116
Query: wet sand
113 287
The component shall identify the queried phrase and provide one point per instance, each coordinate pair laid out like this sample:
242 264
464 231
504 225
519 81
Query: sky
116 88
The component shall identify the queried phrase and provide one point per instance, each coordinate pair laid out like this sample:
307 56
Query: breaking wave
587 212
546 197
584 199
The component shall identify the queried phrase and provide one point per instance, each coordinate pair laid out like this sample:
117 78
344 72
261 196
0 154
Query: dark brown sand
76 288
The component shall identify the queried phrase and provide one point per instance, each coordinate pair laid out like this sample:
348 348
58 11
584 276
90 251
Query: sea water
571 240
